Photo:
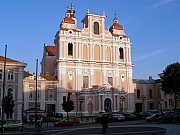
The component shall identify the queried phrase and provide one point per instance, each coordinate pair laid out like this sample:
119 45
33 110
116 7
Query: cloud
157 52
160 3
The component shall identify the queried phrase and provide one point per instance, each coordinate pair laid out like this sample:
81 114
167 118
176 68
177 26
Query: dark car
129 116
169 116
139 116
108 117
59 115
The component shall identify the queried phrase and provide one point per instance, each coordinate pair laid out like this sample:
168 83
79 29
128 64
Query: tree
170 80
8 105
68 104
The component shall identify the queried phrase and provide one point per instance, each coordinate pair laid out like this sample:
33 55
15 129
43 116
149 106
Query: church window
70 49
121 53
96 28
85 81
110 80
138 93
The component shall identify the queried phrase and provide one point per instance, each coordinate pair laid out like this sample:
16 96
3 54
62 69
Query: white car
118 117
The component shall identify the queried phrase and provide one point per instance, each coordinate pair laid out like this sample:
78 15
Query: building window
151 106
38 94
1 74
31 94
0 93
85 81
165 104
110 81
121 53
150 93
10 75
51 94
138 93
70 49
159 93
96 28
171 103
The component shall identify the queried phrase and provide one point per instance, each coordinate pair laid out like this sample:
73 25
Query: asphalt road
115 128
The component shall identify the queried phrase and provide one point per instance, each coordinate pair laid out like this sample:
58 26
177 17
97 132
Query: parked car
59 115
129 116
145 114
118 117
155 111
153 117
108 116
138 115
13 125
169 116
67 122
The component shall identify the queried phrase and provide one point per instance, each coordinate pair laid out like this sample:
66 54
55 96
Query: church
92 63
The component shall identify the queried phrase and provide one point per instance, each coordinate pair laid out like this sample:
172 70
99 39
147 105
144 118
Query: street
139 127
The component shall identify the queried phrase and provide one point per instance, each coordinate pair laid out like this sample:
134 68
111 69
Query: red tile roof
69 20
26 74
50 78
51 50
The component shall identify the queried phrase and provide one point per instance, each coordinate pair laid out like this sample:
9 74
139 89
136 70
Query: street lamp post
122 98
143 98
81 100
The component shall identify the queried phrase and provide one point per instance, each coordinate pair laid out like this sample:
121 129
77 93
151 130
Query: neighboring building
14 84
93 63
46 95
146 95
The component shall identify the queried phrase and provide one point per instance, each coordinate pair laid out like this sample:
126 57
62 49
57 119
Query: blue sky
152 25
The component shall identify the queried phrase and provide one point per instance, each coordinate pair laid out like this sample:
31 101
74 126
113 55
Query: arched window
70 49
96 28
150 93
31 94
138 93
121 53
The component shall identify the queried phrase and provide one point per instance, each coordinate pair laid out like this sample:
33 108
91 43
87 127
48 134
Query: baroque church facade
92 63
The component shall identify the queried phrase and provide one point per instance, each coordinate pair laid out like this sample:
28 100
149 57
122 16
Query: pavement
171 129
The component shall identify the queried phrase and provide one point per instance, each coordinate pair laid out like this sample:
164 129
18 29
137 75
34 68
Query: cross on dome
70 6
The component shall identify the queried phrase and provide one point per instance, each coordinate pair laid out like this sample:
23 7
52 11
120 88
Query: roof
117 26
26 74
69 20
50 50
8 60
11 61
143 81
50 78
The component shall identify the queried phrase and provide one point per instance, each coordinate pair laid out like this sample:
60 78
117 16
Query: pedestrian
103 121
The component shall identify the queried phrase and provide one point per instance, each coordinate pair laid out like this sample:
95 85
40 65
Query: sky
153 27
